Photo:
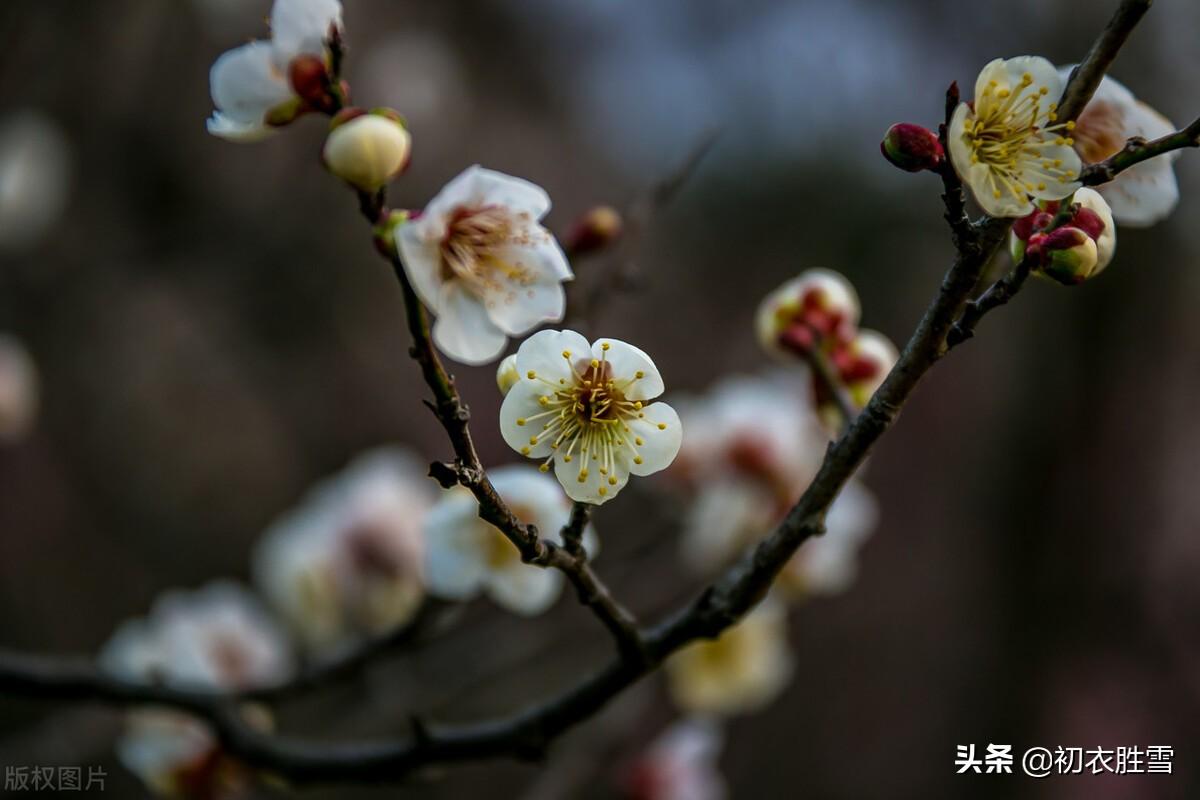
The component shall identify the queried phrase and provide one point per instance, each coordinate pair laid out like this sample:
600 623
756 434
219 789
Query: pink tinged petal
301 27
421 255
525 589
245 85
521 403
455 566
661 434
516 309
542 354
463 331
627 361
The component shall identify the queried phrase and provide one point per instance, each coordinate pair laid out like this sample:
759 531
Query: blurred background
214 333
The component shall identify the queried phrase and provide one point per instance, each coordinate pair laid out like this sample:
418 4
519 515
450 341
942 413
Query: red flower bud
912 148
595 230
309 78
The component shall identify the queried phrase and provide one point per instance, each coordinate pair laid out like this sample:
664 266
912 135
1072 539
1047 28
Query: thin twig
1136 151
998 294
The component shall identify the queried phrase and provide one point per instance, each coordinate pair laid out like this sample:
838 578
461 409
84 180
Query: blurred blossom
468 556
1147 192
681 764
585 408
1006 145
18 390
753 446
349 560
481 262
864 363
216 638
816 304
741 671
35 177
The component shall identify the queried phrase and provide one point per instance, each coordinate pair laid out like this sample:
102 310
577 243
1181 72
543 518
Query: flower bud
912 148
309 78
863 363
507 375
595 230
817 304
367 149
1066 254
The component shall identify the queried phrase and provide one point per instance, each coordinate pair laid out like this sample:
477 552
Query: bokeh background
214 334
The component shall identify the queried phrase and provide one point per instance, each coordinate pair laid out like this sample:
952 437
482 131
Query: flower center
1006 132
477 245
587 417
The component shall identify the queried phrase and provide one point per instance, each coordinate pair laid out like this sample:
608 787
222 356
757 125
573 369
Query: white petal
230 130
454 564
542 354
960 151
463 330
536 493
525 589
245 84
1006 205
517 308
661 434
301 27
545 256
994 70
589 489
1041 70
1035 174
476 187
521 402
420 251
627 361
1144 194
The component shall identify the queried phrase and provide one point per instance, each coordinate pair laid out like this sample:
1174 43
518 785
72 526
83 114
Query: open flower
680 764
18 390
584 407
217 638
479 260
1009 147
468 556
1147 192
349 561
742 670
263 84
753 446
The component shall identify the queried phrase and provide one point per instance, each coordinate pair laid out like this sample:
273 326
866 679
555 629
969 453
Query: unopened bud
1066 254
367 149
818 304
1089 214
309 78
912 148
507 375
595 230
863 364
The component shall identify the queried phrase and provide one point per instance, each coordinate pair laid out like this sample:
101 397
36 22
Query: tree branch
1138 150
998 294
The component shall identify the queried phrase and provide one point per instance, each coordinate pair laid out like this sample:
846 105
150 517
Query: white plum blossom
741 671
216 638
18 390
479 259
1144 193
468 555
348 562
753 446
1009 147
252 84
680 764
35 177
585 408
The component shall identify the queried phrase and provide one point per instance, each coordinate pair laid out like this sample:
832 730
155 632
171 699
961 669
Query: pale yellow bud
367 151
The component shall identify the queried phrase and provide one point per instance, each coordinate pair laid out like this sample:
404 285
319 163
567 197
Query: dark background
215 333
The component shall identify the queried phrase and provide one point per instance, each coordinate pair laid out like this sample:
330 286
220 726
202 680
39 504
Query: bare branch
1136 151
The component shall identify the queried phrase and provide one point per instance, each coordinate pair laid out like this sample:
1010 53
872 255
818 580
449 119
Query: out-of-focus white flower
18 390
1147 192
217 638
681 764
864 363
468 556
753 446
816 304
265 83
1008 147
367 149
742 670
585 408
35 175
506 374
479 259
349 561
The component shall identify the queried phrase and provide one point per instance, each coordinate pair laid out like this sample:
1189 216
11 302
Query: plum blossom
585 409
1147 192
742 670
258 86
1007 146
468 555
753 446
216 638
18 390
680 764
348 562
1081 247
818 303
479 259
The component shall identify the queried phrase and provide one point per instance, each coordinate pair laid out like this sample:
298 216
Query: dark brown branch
952 189
1087 76
572 532
1136 151
998 294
